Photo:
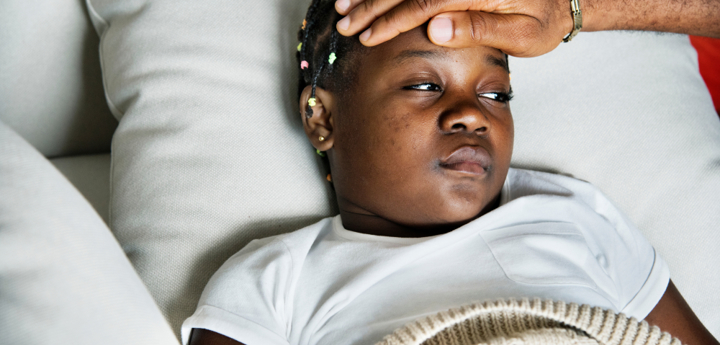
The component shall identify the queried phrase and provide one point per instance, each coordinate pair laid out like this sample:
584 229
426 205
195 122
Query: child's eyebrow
495 61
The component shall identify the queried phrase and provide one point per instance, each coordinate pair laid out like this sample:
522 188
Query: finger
515 34
406 16
345 6
362 14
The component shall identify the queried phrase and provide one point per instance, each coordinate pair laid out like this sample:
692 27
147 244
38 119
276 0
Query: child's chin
457 219
465 210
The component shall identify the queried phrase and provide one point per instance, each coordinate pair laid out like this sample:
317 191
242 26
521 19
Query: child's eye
423 87
497 96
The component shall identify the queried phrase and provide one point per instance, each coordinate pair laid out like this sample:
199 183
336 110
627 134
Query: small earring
328 178
321 138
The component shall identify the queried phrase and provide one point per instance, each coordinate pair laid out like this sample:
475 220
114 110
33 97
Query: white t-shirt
552 237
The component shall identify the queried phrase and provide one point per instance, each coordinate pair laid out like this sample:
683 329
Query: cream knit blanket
506 322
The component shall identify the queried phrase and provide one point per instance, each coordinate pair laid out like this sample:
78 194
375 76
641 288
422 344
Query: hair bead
312 47
315 79
312 102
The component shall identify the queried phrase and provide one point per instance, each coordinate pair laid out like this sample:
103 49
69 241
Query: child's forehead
415 44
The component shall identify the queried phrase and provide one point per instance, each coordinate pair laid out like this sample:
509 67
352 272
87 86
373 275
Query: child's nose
465 117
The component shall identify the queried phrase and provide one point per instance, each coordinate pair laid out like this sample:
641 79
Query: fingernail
342 5
344 23
365 35
441 29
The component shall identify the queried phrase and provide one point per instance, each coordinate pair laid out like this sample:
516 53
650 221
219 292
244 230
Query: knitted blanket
528 322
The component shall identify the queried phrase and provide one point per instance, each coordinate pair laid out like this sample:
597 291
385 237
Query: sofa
143 142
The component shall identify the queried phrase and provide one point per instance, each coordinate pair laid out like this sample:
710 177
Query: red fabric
708 50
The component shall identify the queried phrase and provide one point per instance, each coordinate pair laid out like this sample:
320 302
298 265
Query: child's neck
371 224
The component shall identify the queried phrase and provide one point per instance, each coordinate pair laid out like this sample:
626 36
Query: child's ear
318 126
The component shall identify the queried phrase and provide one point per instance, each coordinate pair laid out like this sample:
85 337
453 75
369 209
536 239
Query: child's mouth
469 159
468 167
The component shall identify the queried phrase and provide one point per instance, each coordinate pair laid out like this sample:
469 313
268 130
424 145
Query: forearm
672 314
695 17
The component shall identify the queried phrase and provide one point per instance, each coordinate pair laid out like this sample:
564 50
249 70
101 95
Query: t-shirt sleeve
651 292
247 298
626 267
640 274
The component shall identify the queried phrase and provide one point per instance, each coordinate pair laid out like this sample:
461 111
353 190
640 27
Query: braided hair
320 46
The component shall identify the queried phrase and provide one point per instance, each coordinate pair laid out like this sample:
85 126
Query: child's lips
469 159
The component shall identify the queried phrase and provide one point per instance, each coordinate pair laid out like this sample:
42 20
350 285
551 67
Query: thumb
515 34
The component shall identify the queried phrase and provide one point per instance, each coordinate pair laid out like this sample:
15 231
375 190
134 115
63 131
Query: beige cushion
63 277
210 154
50 82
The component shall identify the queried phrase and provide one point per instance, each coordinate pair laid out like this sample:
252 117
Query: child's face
419 140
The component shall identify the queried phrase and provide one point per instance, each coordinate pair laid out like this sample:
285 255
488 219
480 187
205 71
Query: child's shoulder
522 182
541 189
280 252
288 243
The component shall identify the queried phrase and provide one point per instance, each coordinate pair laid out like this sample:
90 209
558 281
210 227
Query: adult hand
517 27
520 27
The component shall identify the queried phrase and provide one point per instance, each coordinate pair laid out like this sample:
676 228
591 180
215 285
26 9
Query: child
418 139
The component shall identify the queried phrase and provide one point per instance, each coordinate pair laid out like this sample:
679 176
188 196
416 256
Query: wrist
576 13
603 15
595 17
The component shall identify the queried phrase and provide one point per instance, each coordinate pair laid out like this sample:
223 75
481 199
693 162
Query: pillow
51 87
210 151
63 277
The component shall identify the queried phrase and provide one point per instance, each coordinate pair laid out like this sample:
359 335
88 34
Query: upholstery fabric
209 152
63 277
90 174
51 87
